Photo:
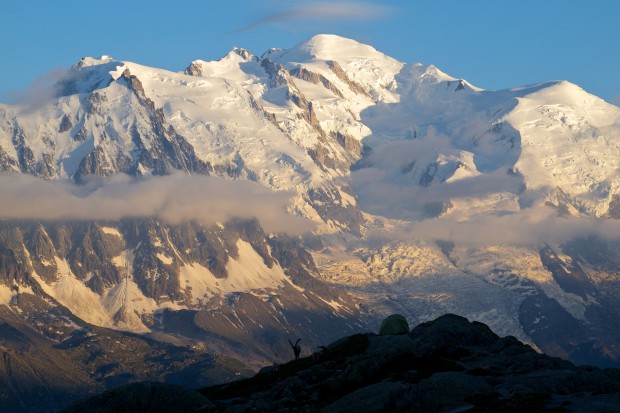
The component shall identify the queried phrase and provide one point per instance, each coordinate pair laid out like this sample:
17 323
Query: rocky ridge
443 365
371 150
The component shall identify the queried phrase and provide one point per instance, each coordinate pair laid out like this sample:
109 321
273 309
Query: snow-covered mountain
424 193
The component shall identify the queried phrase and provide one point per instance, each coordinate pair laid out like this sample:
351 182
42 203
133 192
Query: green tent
394 324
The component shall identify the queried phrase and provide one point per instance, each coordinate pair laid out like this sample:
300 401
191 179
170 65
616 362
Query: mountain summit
303 193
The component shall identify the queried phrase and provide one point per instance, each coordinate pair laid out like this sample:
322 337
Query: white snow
127 298
569 139
124 260
553 137
73 294
164 258
565 138
333 304
361 62
249 271
246 273
111 231
202 282
6 295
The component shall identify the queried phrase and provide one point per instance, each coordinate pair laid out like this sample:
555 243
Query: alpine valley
180 227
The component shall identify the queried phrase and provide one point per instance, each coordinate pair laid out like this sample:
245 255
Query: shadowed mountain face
243 295
165 209
133 274
445 365
40 373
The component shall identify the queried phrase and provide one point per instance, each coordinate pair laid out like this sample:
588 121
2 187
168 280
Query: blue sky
494 44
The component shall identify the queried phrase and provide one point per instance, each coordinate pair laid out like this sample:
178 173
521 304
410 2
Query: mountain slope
425 195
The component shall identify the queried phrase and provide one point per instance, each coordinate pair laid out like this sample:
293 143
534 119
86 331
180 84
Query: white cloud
174 198
347 10
40 92
528 227
385 187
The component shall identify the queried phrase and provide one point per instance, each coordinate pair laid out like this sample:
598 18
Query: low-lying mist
173 198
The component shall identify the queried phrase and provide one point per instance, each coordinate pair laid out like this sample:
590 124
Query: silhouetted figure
296 348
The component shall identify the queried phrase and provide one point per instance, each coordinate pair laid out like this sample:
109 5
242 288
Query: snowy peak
432 74
245 54
351 70
425 86
87 75
223 67
332 47
365 147
565 93
93 61
298 119
569 141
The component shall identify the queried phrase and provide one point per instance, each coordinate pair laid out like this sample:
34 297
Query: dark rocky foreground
445 365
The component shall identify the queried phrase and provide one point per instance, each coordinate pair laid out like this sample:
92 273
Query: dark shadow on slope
448 364
145 397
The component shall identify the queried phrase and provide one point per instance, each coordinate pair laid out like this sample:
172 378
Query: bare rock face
355 87
25 156
308 123
348 216
7 163
614 207
133 275
159 149
65 124
316 78
149 252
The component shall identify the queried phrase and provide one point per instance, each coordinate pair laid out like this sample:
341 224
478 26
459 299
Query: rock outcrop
445 365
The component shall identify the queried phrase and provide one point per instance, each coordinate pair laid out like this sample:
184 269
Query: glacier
426 195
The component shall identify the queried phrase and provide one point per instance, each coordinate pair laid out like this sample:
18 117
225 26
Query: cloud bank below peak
173 198
478 209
